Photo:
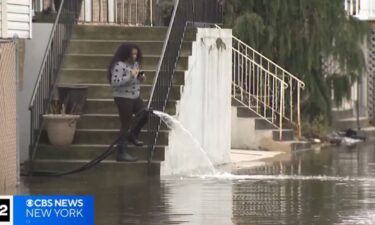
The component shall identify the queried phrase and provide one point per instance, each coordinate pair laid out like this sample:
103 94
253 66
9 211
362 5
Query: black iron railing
67 16
186 13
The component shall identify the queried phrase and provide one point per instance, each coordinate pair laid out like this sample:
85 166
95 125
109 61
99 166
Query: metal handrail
67 16
262 68
273 63
265 57
186 12
45 55
166 39
280 90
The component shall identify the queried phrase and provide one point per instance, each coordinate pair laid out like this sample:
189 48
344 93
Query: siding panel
18 19
2 17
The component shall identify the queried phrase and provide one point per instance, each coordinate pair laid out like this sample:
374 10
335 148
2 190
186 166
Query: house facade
365 10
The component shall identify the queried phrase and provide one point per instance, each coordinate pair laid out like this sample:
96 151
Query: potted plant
61 120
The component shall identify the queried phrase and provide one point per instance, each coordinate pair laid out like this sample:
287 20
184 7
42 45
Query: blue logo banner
49 210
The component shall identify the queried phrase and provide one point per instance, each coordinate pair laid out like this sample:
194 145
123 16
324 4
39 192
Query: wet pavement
327 186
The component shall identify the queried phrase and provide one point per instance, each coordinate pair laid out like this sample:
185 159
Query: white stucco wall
34 51
205 105
246 137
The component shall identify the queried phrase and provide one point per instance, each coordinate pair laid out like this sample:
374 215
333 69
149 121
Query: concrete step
90 61
341 114
103 121
107 106
245 112
300 145
236 103
105 91
106 137
108 168
107 32
369 132
286 135
262 124
350 123
99 76
154 47
89 152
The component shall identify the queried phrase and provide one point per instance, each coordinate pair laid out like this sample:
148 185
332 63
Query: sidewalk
253 158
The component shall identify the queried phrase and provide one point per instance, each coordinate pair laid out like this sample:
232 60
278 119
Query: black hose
110 150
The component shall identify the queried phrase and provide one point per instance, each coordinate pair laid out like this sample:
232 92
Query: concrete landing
253 158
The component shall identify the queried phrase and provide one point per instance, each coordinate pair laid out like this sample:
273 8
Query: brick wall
8 164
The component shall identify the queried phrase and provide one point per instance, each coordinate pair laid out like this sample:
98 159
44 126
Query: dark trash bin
73 97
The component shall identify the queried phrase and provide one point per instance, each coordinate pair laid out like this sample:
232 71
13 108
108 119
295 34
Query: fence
123 12
8 152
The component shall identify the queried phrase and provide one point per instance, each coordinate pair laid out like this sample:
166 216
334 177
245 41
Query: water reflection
304 195
311 201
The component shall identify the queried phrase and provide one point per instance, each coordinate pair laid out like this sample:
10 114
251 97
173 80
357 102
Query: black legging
126 108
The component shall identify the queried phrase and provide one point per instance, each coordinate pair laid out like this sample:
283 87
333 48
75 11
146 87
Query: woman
125 78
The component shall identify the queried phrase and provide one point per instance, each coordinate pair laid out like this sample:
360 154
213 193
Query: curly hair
123 53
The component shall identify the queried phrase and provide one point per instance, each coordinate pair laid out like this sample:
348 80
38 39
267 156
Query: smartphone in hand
141 74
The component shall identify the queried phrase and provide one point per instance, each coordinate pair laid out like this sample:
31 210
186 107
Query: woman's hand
135 72
142 77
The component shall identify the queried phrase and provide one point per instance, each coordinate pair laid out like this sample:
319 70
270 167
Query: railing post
87 11
110 11
299 111
151 13
281 110
39 6
357 7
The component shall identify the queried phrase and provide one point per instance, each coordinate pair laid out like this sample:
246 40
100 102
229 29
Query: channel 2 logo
5 210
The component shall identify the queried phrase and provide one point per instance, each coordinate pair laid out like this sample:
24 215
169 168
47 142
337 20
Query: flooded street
327 186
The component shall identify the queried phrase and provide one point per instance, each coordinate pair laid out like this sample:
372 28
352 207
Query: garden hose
110 150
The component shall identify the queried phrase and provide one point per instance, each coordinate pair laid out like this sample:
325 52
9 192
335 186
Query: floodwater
327 186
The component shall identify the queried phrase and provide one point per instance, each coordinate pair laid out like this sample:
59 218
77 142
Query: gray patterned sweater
123 83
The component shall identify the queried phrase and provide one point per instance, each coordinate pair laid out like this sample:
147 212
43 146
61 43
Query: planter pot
61 128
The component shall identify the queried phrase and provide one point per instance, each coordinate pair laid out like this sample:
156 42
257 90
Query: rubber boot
136 130
122 153
133 139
